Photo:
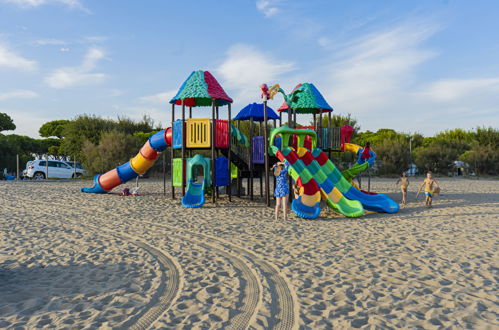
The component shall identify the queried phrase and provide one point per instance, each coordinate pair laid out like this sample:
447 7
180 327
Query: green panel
347 207
177 172
233 171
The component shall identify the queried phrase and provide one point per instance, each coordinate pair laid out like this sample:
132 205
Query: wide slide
377 203
313 182
138 165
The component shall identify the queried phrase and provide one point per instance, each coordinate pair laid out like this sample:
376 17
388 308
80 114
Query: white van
37 169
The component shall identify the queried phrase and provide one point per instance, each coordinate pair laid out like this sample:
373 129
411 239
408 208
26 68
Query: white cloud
267 7
377 67
457 89
159 98
50 42
9 59
245 68
18 94
324 41
26 4
115 92
80 75
64 49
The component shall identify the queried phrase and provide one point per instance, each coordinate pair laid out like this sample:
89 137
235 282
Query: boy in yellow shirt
431 187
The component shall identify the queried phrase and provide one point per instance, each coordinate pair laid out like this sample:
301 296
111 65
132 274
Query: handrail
285 132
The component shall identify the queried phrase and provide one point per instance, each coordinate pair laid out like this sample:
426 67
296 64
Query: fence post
46 166
17 167
74 167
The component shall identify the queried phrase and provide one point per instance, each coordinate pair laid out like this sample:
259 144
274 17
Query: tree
6 123
439 154
53 128
339 120
483 158
90 128
114 148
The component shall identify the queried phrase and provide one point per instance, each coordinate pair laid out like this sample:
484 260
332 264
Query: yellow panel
335 195
301 151
140 164
198 133
311 200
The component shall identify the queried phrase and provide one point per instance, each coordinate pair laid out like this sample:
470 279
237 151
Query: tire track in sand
286 312
171 272
250 303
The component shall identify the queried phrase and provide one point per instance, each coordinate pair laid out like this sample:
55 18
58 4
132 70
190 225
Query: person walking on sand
431 187
281 191
404 183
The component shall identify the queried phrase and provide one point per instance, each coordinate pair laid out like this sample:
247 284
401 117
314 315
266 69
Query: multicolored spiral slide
138 165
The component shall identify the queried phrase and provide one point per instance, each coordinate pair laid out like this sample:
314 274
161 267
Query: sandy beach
73 260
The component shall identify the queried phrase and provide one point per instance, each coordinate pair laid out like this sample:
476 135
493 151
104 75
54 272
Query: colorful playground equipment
213 152
310 177
138 165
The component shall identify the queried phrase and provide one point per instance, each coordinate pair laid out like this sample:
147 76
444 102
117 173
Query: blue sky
415 66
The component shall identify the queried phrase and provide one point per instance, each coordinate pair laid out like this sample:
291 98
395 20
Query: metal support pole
319 129
164 173
47 166
216 150
229 187
17 166
213 128
266 153
184 139
74 166
250 187
330 133
368 180
172 151
280 118
190 112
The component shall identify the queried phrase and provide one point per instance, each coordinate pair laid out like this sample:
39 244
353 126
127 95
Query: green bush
114 148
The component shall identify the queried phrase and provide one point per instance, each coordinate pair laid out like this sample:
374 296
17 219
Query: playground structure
234 156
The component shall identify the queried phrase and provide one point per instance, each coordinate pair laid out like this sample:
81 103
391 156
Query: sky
413 66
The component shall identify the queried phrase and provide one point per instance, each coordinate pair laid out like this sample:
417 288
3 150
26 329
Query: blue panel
177 134
221 171
125 172
157 141
278 142
258 146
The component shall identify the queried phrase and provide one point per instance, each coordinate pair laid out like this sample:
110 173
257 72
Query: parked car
37 169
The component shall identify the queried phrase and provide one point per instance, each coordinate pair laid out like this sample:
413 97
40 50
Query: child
431 186
296 190
366 154
281 191
404 183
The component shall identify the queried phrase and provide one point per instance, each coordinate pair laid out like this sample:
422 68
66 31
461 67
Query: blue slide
194 195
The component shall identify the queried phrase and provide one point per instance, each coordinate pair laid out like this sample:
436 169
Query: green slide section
354 170
240 137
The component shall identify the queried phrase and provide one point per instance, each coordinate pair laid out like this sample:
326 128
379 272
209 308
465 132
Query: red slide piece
168 136
322 159
310 187
307 158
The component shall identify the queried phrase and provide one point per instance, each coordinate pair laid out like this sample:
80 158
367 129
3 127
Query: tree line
102 144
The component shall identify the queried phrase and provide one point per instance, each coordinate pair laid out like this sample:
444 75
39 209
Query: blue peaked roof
255 111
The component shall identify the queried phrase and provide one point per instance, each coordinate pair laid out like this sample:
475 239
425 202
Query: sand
77 260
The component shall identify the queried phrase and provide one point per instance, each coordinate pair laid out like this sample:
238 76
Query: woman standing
281 191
